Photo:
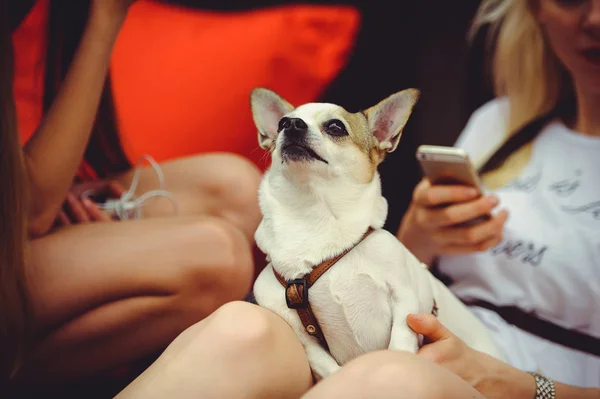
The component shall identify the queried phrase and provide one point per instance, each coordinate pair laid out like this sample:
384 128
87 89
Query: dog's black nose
294 124
298 124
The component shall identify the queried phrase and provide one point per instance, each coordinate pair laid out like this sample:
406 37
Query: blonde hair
524 69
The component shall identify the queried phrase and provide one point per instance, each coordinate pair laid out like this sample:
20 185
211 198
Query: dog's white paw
404 339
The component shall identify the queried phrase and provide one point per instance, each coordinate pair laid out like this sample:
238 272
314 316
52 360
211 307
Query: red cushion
29 49
182 77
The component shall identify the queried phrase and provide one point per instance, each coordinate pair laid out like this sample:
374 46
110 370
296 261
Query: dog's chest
351 302
354 311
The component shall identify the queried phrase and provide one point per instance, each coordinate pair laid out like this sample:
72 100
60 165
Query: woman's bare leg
392 374
240 351
220 185
108 293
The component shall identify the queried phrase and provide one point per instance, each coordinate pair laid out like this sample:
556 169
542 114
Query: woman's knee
241 327
254 334
221 266
249 328
239 180
243 348
236 189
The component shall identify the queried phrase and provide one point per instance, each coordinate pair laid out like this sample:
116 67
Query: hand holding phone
450 166
449 213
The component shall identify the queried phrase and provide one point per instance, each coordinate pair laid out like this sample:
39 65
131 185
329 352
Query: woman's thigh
222 185
82 267
105 294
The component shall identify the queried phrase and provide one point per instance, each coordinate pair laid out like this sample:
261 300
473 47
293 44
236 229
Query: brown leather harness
296 293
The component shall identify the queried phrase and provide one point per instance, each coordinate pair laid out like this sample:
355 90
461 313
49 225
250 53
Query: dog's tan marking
359 136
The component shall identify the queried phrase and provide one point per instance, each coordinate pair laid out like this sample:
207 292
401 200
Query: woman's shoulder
486 128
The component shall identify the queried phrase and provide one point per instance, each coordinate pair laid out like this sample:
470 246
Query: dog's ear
388 118
267 109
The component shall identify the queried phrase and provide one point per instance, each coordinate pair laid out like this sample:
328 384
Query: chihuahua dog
320 199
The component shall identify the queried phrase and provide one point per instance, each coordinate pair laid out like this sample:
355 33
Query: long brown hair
14 303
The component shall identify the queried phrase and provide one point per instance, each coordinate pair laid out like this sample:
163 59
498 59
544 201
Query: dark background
420 44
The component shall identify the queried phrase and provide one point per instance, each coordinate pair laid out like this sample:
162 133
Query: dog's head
325 138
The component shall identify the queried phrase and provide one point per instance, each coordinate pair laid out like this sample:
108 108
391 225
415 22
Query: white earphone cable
130 207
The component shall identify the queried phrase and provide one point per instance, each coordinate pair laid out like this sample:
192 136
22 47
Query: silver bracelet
544 387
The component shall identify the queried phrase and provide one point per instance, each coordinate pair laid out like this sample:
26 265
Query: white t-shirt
549 260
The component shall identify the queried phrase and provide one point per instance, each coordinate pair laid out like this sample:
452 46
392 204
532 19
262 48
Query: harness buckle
303 303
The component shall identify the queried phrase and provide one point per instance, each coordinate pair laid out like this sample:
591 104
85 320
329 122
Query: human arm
492 377
55 151
431 225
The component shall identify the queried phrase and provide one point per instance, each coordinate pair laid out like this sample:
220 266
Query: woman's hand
79 208
434 223
490 376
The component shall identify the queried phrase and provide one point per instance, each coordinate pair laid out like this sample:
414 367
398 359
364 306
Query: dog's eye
284 123
335 127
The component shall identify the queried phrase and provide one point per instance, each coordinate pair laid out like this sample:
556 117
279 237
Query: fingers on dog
428 326
429 196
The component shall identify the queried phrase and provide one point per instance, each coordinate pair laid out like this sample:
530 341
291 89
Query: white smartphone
447 165
450 165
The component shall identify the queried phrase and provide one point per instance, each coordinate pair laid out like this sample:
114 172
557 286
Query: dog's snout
298 124
295 129
293 126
